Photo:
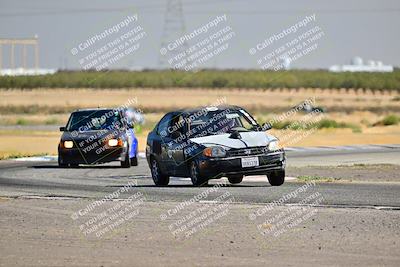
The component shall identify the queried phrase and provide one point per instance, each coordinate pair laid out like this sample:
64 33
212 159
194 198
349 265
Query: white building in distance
357 65
26 72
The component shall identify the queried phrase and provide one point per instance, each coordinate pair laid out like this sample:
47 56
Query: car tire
197 179
74 165
159 178
235 179
61 164
126 162
134 161
276 178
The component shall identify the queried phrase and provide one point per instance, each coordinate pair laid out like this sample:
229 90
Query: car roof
193 110
96 109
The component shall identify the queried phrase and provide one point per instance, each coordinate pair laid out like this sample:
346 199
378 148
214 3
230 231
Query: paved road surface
30 178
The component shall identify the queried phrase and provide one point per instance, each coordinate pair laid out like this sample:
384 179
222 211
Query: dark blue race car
213 142
94 136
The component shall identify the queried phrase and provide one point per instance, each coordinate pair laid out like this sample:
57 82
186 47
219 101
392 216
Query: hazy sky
365 28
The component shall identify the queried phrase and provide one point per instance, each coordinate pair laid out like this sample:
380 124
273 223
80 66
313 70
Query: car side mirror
62 129
266 126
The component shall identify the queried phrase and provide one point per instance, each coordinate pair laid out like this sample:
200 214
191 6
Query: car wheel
134 161
235 179
74 165
276 178
197 179
159 178
126 162
61 163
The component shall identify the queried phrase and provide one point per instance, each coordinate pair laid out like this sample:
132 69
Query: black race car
100 135
210 143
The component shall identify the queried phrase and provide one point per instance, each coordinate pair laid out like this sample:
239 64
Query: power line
174 27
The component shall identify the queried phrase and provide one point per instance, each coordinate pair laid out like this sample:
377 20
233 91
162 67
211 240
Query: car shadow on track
194 187
78 167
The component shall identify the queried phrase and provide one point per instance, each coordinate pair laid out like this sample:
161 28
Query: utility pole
174 28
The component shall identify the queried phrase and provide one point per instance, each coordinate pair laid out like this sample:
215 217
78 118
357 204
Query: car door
177 144
161 143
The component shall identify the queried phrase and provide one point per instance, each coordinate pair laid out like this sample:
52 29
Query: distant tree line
207 79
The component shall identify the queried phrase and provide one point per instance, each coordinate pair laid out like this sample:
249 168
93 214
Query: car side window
162 128
178 124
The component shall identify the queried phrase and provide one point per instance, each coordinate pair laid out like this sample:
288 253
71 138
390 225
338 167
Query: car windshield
221 121
92 120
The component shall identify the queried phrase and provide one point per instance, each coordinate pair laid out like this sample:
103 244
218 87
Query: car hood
248 139
94 135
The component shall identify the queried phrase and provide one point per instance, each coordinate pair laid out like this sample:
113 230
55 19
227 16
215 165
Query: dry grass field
164 99
52 107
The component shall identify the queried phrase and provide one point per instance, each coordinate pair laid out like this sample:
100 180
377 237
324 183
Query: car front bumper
215 168
77 156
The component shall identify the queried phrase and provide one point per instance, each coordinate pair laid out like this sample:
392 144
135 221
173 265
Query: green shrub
51 121
22 121
279 125
326 123
219 82
391 120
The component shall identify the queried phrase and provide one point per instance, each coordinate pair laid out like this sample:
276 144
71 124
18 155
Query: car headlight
113 142
68 144
273 145
214 151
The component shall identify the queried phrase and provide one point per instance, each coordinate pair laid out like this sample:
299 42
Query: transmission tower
174 27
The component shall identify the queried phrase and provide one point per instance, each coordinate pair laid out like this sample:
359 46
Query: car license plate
250 162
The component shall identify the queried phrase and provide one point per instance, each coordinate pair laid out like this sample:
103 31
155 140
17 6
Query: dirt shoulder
356 173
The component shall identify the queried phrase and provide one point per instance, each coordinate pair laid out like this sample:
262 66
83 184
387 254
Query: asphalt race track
46 179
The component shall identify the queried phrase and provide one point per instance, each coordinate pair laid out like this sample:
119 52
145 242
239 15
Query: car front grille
242 152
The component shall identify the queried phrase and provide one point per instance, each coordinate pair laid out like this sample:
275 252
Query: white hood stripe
249 139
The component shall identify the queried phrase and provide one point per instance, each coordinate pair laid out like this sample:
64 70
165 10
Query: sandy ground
42 233
356 173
